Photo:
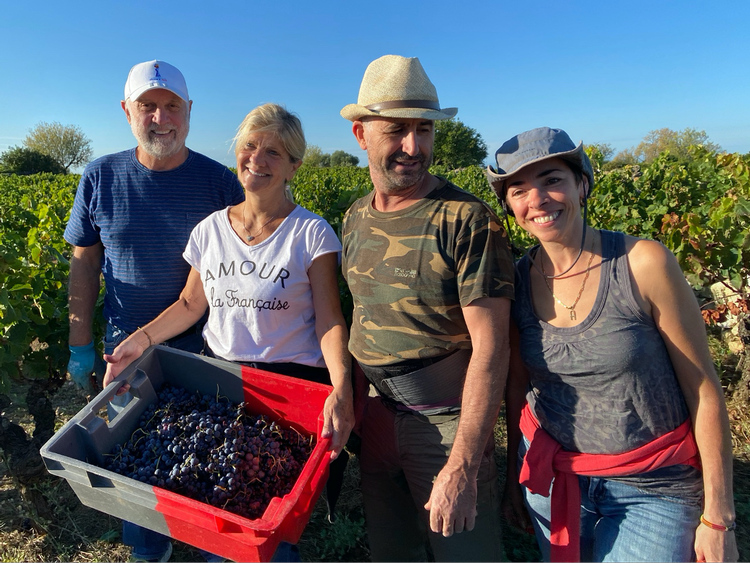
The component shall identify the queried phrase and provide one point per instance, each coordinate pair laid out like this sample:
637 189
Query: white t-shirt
259 297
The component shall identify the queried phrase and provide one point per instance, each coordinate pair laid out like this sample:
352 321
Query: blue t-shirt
144 218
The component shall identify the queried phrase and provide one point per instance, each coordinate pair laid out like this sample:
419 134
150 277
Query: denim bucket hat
533 146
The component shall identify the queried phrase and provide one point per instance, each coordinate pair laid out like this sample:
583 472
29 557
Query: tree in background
341 158
315 157
606 150
22 161
64 143
660 140
457 145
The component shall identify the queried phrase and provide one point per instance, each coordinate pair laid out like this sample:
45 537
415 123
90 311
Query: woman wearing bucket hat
613 404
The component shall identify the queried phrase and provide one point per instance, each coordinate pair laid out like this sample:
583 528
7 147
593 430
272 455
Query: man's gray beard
157 148
399 182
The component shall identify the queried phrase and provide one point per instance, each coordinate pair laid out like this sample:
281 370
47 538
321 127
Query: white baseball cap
155 74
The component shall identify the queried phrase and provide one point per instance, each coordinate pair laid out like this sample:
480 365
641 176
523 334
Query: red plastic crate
76 453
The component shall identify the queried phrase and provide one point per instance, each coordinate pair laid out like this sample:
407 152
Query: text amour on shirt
246 268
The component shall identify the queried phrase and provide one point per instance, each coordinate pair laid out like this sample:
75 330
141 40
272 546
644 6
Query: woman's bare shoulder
647 256
654 270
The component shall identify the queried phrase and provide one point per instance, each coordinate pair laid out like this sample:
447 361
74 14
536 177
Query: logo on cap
157 79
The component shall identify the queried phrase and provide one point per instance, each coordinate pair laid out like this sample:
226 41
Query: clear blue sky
605 71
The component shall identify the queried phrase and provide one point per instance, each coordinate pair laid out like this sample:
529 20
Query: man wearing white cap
431 274
131 219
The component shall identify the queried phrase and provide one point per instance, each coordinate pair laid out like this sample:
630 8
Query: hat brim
495 179
135 94
355 112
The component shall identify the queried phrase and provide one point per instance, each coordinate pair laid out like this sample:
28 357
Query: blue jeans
620 522
145 543
287 552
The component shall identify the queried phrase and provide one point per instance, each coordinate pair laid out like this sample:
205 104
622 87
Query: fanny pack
433 389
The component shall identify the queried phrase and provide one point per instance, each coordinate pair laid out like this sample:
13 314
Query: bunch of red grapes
209 449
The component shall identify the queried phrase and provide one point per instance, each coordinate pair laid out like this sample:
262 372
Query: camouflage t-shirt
411 271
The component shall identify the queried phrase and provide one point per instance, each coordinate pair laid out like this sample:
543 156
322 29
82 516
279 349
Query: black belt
376 374
434 388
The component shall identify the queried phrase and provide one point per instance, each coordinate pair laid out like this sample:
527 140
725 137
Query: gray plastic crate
77 450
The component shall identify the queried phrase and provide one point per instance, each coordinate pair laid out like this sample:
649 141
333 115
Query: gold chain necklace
572 307
251 237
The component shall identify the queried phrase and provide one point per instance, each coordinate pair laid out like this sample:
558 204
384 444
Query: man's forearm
480 407
484 385
83 291
453 499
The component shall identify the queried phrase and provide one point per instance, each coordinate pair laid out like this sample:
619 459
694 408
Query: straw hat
398 87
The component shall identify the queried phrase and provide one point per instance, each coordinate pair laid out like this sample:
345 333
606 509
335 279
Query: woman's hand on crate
338 419
125 354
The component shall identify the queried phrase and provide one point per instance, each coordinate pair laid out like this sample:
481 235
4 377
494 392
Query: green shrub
34 269
23 161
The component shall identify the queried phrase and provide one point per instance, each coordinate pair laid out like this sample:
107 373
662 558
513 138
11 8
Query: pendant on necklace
250 237
572 315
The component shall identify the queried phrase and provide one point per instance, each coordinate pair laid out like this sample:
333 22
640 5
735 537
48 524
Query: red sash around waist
546 460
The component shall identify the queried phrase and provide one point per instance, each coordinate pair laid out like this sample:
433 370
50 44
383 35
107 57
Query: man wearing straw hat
431 274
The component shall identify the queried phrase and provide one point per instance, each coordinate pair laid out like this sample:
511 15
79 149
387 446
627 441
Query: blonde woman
266 271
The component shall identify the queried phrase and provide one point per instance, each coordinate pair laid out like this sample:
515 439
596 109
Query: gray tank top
606 385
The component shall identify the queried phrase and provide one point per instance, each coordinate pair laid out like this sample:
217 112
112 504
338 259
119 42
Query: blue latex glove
81 365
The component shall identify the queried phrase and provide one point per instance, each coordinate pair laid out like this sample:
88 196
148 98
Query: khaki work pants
401 455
